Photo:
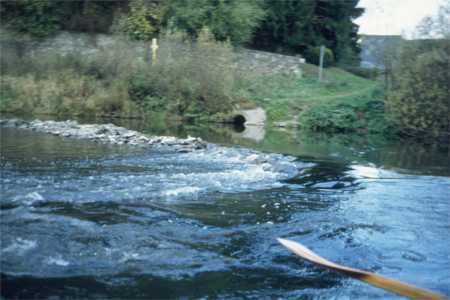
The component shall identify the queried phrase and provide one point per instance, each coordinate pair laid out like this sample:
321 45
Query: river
84 220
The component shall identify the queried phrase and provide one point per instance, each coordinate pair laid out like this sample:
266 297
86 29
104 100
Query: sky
389 17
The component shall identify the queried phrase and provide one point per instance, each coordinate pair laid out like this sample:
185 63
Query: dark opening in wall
239 120
238 123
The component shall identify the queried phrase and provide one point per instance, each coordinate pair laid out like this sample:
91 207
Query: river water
83 220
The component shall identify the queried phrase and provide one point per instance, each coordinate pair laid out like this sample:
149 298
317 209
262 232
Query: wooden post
322 52
154 47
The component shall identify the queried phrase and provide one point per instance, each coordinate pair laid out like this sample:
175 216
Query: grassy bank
199 81
343 102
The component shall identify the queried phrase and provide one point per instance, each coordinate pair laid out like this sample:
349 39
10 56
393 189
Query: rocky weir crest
106 133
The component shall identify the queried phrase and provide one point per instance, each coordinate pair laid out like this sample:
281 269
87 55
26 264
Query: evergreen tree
299 26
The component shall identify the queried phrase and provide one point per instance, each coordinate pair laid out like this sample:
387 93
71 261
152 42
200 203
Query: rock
184 150
106 133
129 134
101 130
12 123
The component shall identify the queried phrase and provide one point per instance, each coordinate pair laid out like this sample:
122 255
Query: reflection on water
407 155
400 155
85 220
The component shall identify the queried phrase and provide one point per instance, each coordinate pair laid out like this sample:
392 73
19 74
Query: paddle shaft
388 284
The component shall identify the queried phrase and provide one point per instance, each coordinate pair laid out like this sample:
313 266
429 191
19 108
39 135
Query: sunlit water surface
83 220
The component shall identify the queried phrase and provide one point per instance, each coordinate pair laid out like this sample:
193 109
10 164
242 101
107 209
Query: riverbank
197 83
342 102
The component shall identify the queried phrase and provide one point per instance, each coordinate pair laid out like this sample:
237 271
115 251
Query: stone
106 133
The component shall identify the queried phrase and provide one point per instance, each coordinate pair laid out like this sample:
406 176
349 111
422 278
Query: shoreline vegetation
198 81
202 74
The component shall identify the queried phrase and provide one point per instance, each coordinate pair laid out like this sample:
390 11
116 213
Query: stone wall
85 44
269 63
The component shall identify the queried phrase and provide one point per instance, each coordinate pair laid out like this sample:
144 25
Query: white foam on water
371 172
20 246
29 198
127 256
57 261
251 177
182 191
171 175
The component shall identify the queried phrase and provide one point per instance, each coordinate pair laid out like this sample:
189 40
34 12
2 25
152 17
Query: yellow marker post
154 47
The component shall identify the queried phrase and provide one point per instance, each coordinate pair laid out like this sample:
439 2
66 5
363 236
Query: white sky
394 16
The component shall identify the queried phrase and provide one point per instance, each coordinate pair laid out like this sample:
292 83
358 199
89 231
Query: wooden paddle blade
388 284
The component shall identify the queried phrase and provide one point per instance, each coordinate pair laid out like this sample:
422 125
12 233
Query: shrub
232 20
418 93
191 78
143 21
312 55
363 72
339 119
196 78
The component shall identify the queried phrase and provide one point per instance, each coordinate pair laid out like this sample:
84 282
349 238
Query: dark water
81 220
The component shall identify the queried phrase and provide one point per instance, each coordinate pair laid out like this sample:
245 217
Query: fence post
322 52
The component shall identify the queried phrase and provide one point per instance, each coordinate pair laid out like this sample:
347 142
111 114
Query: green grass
341 102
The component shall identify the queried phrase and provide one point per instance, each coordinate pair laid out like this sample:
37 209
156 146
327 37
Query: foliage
342 103
438 25
227 19
312 55
372 73
36 17
41 18
288 26
419 82
64 93
419 88
295 25
143 20
191 80
363 115
194 81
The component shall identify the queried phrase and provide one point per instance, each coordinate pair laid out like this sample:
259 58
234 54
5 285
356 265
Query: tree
226 19
143 20
296 26
418 93
41 18
437 26
35 17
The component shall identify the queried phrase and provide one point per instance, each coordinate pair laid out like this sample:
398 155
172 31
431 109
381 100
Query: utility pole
322 52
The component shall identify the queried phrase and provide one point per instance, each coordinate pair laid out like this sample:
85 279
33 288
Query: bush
339 119
38 18
232 20
41 18
312 56
187 79
363 72
198 78
143 21
418 91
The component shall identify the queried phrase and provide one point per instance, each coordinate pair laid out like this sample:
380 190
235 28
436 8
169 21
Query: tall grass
188 79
